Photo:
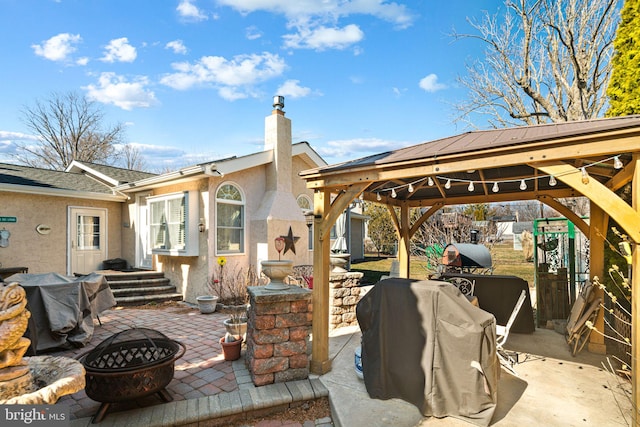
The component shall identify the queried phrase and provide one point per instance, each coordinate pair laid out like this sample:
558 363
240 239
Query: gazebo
549 162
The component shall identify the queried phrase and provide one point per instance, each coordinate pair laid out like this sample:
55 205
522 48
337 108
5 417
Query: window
88 232
305 203
229 220
173 224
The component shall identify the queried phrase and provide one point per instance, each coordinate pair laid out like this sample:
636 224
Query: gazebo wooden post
320 363
404 259
597 231
635 301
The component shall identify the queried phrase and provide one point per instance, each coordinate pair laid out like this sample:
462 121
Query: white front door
87 239
144 258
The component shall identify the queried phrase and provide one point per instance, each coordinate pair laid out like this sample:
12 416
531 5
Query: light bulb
393 193
495 187
410 188
471 187
447 185
552 181
585 175
378 198
617 163
430 182
523 185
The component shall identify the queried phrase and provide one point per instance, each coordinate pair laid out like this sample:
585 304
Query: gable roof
109 174
219 168
26 179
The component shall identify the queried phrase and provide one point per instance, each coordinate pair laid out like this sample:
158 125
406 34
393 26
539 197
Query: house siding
48 253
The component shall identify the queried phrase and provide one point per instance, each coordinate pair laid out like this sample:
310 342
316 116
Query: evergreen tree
624 86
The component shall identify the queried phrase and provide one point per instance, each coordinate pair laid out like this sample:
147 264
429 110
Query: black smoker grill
467 258
129 365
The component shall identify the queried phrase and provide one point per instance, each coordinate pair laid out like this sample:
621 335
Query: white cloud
58 48
177 46
430 84
328 10
6 136
82 61
119 50
116 90
186 9
345 148
253 32
321 38
293 89
233 78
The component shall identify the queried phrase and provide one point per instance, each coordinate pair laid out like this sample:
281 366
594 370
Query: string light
585 175
617 164
523 185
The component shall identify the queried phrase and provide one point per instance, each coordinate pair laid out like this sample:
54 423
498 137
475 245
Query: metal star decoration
290 241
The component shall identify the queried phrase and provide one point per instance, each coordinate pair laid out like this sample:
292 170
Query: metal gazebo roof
591 158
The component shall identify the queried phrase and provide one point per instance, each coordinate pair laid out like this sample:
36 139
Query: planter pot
231 350
277 271
236 328
338 262
207 303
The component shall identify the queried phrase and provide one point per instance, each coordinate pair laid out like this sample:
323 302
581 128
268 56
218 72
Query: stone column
278 330
345 293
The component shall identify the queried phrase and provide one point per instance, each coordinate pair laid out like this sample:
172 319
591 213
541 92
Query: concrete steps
140 287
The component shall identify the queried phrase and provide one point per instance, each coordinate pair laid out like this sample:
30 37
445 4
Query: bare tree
545 61
70 128
131 157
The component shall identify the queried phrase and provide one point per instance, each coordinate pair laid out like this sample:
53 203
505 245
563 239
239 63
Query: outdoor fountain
30 380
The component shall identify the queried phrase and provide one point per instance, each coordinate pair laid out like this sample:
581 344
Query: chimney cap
278 102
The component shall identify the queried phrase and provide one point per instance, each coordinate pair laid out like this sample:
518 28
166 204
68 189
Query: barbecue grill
129 365
467 258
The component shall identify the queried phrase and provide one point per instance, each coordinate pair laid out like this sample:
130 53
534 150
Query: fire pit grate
129 365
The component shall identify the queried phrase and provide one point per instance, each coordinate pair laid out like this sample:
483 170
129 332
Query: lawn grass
506 261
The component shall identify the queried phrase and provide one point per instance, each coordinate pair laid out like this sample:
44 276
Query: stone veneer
278 329
345 292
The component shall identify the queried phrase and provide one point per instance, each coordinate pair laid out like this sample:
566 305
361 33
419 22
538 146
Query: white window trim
191 219
244 218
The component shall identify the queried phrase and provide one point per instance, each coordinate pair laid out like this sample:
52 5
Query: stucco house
178 222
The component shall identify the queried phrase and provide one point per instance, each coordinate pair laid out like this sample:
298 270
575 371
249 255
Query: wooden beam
338 206
607 200
598 232
568 213
320 362
635 303
562 149
425 216
622 178
404 243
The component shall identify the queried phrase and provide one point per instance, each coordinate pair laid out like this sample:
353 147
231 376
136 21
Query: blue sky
193 80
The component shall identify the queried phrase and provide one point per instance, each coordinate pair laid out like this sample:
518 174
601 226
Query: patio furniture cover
498 294
423 342
63 307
